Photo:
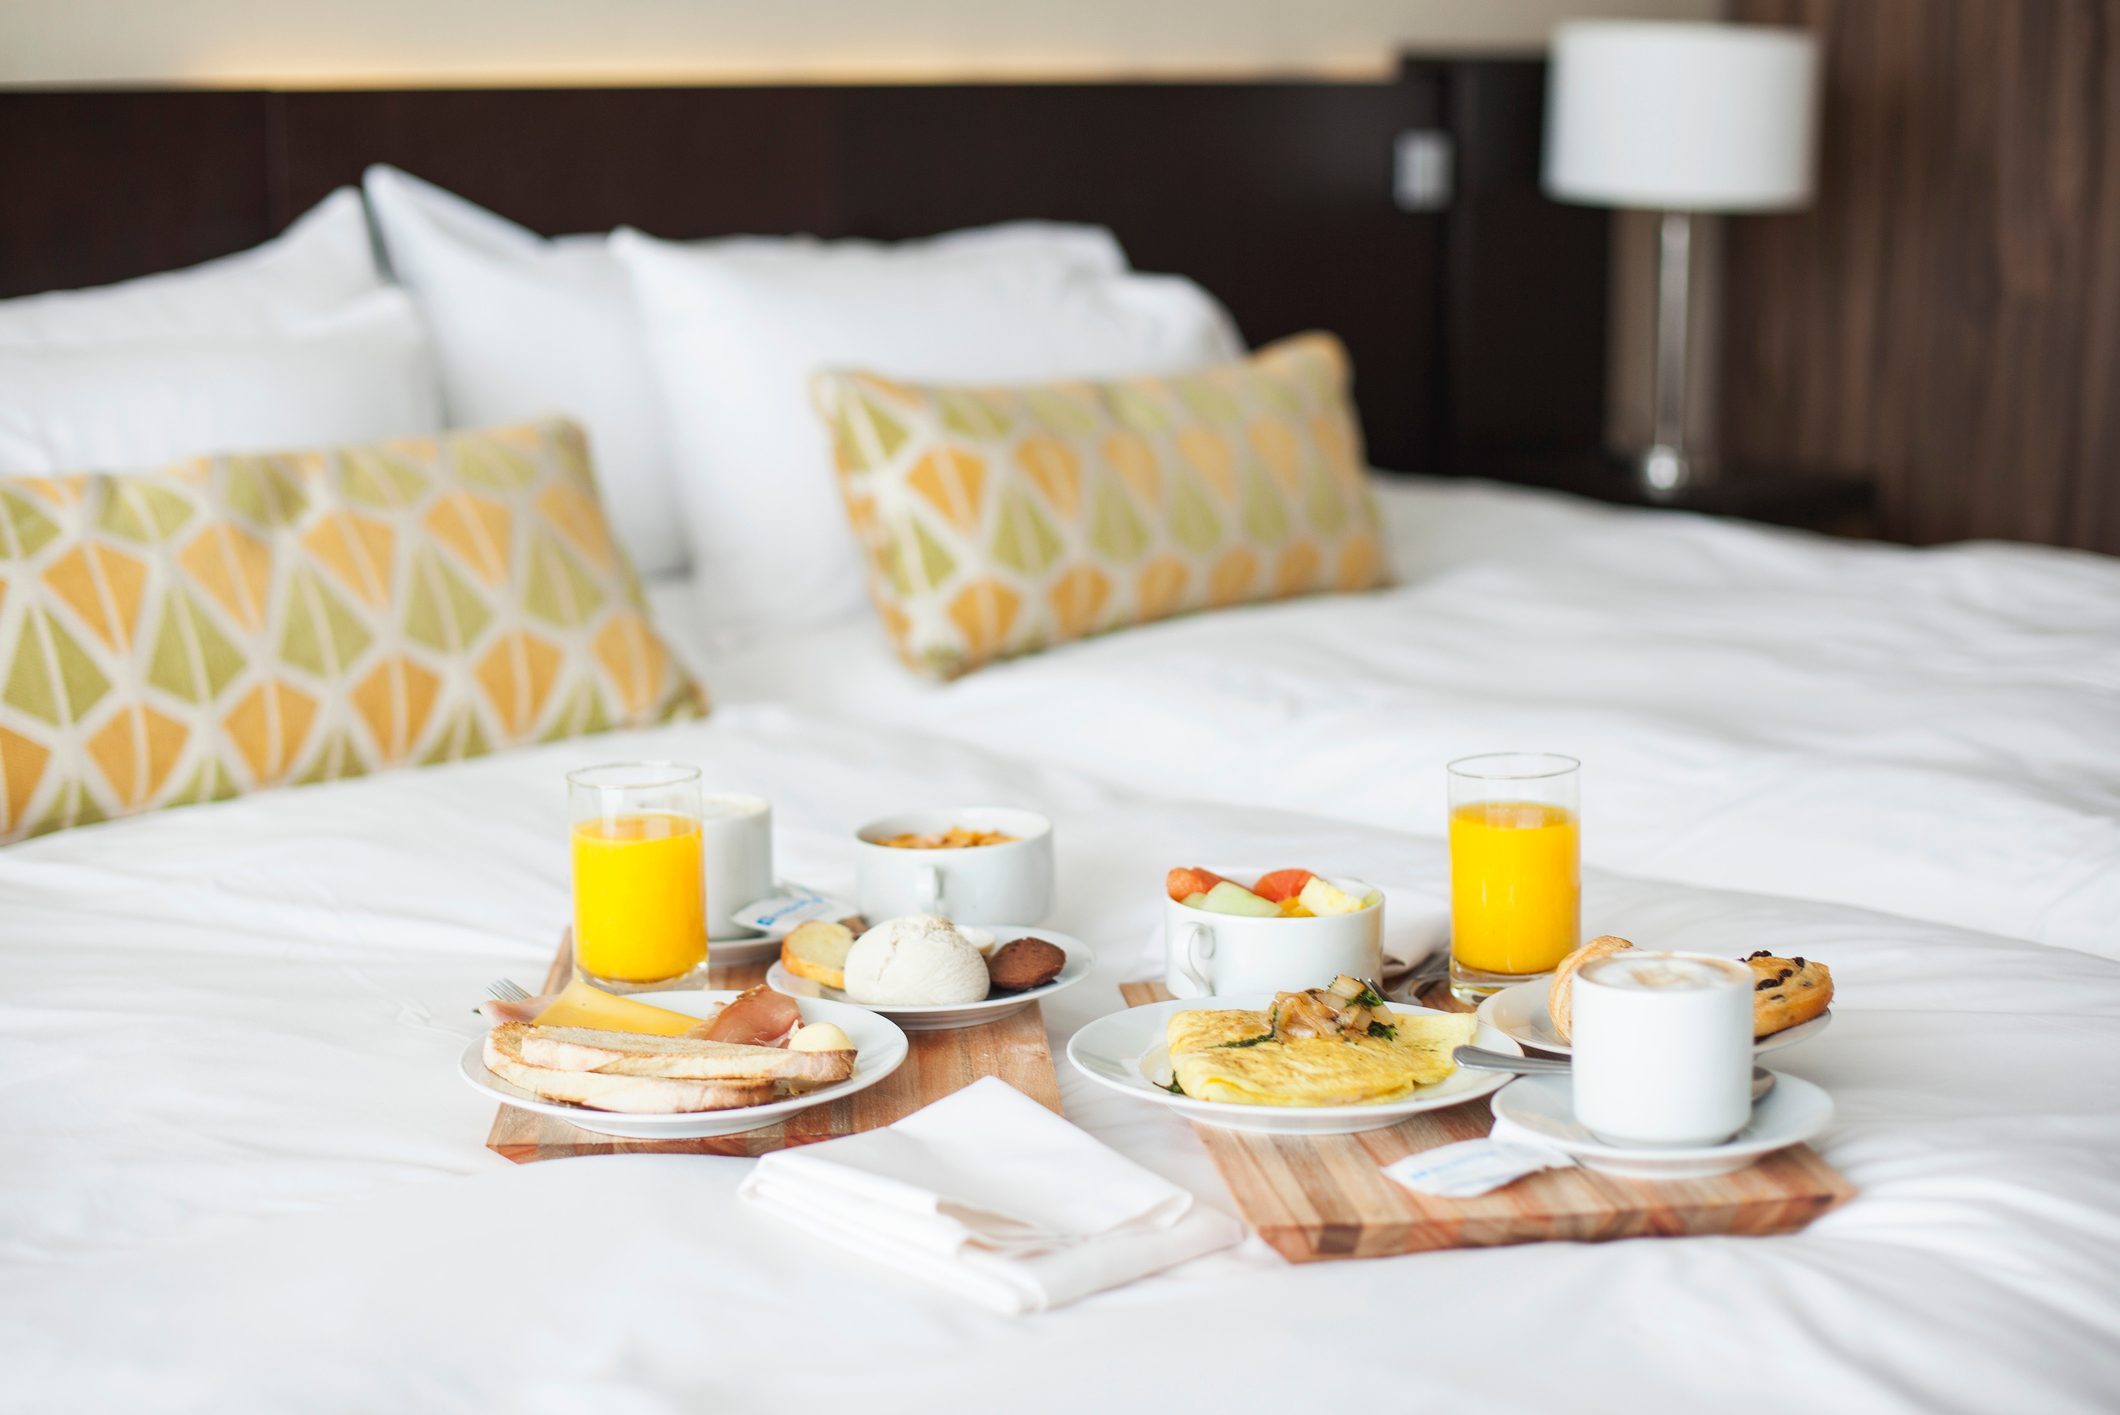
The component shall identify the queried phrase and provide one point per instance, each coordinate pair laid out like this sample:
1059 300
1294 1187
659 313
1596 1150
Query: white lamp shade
1681 117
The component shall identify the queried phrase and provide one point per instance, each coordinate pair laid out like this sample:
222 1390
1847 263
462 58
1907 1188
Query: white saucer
1519 1011
1126 1051
1542 1108
745 947
938 1017
879 1045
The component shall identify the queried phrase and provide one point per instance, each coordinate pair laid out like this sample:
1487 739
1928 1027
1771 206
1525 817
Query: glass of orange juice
1515 869
640 889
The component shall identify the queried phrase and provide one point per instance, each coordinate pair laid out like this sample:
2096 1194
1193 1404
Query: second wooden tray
1013 1048
1317 1197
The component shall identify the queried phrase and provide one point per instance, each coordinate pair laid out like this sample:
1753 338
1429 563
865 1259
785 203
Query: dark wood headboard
1477 330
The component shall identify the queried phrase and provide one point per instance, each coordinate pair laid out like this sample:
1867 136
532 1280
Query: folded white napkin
1416 927
988 1193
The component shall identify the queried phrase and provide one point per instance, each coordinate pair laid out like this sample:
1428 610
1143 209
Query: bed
240 1174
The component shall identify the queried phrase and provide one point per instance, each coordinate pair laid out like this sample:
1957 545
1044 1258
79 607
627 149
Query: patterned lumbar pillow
236 622
1000 521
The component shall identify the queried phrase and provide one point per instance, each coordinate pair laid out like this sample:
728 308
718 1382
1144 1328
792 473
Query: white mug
1211 954
736 841
1010 883
1663 1048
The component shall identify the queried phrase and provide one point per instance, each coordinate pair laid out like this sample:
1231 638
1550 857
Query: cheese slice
580 1005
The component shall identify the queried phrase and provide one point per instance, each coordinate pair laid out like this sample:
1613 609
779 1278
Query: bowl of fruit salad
1228 931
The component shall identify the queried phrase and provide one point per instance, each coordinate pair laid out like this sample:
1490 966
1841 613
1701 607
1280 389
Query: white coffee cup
736 840
1663 1048
1209 954
1009 883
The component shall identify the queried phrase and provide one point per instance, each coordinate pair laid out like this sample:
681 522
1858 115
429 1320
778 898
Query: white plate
938 1017
1122 1050
1519 1011
880 1047
1543 1108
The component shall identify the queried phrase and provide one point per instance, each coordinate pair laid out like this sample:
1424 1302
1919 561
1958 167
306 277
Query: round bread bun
1560 992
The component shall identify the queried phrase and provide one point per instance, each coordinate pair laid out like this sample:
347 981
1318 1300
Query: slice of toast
817 950
678 1058
631 1095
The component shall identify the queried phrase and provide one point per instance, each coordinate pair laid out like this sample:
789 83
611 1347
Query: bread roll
1560 992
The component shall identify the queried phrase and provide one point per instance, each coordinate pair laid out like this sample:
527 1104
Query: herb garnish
1369 996
1250 1041
1174 1088
1378 1029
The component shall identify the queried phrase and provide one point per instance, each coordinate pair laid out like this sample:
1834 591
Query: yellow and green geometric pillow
237 622
1000 521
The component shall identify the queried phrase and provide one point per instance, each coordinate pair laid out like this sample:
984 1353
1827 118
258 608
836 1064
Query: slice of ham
758 1017
497 1012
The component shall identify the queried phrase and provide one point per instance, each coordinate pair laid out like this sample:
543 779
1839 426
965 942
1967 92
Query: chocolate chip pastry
1786 991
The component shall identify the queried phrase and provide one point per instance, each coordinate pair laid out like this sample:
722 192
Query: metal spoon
1481 1059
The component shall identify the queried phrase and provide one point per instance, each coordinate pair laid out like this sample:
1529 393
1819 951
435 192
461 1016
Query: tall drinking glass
1515 869
640 890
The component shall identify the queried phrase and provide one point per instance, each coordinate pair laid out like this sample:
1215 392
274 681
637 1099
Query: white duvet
239 1172
1933 733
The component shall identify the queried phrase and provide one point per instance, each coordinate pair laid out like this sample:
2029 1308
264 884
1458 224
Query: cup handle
1199 953
929 887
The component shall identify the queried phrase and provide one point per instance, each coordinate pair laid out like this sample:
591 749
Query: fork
506 990
1408 987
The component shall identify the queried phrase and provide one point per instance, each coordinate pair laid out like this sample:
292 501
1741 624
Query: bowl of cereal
974 864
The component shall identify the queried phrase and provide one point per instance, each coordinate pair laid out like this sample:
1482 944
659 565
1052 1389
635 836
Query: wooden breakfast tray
1012 1048
1317 1197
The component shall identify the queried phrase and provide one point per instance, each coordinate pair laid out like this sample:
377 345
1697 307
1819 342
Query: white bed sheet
240 1172
1933 733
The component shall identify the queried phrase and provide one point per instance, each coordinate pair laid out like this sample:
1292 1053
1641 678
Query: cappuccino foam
1656 971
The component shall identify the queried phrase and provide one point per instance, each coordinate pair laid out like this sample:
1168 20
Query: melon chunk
1227 898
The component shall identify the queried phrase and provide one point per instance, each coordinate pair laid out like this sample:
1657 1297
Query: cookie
1560 992
1786 992
1024 963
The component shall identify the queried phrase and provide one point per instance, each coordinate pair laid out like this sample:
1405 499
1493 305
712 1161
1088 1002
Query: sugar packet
794 904
1472 1167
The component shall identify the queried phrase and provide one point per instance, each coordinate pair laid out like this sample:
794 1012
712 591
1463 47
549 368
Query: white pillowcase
294 343
359 375
526 326
737 334
318 265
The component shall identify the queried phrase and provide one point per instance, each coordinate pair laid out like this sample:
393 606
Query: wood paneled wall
1477 331
1947 316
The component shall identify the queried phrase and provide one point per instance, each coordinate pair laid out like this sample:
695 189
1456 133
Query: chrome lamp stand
1667 467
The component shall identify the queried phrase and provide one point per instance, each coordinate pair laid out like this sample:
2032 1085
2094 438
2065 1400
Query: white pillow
316 266
361 374
737 333
525 326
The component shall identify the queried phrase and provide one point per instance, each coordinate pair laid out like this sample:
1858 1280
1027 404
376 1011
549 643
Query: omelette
1336 1070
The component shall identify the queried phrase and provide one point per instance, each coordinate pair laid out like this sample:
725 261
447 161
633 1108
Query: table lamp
1679 118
